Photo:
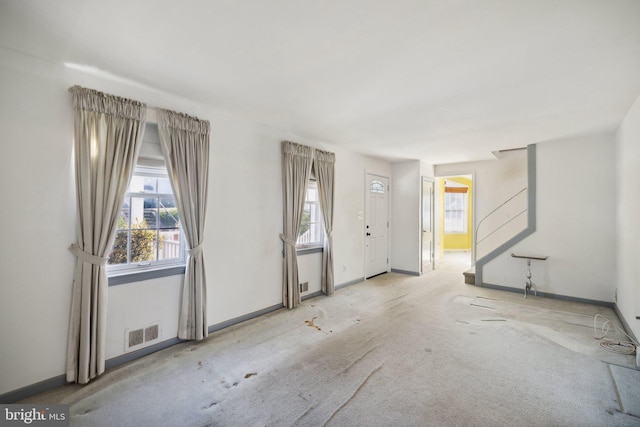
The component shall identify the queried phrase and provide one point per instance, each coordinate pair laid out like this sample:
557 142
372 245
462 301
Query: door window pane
377 187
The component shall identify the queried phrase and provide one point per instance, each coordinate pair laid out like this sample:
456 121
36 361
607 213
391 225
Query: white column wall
405 218
627 184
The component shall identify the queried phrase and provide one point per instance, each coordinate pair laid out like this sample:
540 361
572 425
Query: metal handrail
475 244
499 227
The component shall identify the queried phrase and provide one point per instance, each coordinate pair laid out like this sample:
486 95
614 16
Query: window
148 235
377 187
311 227
455 210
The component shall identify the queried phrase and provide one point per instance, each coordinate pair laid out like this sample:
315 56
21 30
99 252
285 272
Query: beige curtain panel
324 166
108 136
296 169
185 144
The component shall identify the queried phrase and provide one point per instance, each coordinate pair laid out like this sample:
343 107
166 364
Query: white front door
376 225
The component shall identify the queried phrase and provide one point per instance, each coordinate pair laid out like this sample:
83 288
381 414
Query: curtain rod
150 108
155 110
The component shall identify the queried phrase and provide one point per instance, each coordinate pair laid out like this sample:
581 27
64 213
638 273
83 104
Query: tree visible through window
149 225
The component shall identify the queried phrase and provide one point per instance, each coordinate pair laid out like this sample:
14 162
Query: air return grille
136 337
304 286
144 336
151 332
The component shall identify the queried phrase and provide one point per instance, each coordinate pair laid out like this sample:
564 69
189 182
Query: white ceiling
441 81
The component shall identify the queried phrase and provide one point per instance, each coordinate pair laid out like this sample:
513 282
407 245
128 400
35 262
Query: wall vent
137 338
151 332
304 287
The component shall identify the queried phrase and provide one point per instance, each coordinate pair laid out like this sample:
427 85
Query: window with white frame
311 227
148 233
455 210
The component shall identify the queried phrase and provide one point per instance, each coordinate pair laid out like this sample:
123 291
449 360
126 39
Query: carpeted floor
392 351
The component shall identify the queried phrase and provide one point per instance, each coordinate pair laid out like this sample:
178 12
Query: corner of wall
627 155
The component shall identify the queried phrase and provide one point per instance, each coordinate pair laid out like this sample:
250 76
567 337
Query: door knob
368 234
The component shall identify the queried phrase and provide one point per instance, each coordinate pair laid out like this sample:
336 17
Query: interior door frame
433 222
474 207
386 176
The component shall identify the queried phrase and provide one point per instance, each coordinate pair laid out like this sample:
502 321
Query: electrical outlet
304 286
615 296
344 268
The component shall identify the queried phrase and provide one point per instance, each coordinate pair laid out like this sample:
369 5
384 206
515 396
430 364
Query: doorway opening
427 243
455 233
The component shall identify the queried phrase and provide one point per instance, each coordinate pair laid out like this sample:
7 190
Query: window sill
138 276
309 250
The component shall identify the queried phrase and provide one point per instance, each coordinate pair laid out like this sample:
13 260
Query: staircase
506 225
470 276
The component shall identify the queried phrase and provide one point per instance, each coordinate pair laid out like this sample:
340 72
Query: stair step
470 276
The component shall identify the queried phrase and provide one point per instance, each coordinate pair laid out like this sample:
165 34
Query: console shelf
528 284
537 257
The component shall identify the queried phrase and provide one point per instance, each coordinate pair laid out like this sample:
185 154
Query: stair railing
500 226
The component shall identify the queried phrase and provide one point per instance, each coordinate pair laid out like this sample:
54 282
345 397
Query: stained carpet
392 351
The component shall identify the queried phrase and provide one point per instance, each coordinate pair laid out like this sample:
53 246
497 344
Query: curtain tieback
88 257
288 241
195 250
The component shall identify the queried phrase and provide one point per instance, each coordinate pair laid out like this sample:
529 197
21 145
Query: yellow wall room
462 240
